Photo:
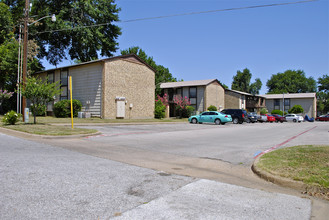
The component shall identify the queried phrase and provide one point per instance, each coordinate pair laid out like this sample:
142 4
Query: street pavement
40 181
235 144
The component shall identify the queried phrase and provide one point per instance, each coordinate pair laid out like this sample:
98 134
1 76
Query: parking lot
237 144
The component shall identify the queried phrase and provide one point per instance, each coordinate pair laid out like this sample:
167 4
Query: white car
294 118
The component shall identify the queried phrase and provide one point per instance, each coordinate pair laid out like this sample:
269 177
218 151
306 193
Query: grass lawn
46 129
309 164
44 125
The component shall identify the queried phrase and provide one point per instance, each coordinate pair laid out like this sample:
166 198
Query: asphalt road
40 181
235 144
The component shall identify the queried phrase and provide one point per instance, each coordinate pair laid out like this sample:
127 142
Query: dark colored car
279 118
323 118
238 115
252 117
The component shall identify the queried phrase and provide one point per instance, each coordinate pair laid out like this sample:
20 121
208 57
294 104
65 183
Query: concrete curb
289 183
28 135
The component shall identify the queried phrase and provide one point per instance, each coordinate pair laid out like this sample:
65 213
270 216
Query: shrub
159 110
40 110
212 108
62 109
11 117
263 111
187 112
296 109
277 112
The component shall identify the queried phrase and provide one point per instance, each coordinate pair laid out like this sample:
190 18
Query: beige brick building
287 101
117 87
202 94
242 100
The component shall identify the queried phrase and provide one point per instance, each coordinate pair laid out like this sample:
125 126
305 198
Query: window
179 91
205 113
64 87
286 105
192 92
51 77
277 104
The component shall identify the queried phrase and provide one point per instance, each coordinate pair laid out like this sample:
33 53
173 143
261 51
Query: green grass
53 120
46 129
47 125
309 164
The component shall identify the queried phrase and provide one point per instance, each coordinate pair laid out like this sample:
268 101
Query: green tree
323 94
241 82
39 92
291 81
6 23
296 109
162 74
74 39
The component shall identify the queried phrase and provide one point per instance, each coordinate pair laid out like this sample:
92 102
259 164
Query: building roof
290 96
204 82
101 60
243 93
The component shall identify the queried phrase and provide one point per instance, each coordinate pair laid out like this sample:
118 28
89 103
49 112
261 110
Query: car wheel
217 121
235 120
194 121
281 121
294 120
248 120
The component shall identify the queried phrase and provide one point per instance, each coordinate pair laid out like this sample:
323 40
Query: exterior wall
132 80
232 100
214 95
87 87
200 91
308 104
186 91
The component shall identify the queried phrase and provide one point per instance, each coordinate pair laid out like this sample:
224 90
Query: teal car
210 117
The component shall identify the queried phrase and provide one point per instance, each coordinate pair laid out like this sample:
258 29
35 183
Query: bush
263 111
40 110
277 112
187 112
62 109
296 109
212 108
11 117
159 110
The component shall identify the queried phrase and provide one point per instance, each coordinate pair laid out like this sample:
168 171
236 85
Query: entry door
121 107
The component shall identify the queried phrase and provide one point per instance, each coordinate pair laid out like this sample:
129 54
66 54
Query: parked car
279 118
238 115
294 118
270 118
210 117
322 118
252 117
262 118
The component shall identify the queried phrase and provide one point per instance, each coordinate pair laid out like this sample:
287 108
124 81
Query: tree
74 39
162 74
241 82
39 93
296 109
291 81
6 23
323 94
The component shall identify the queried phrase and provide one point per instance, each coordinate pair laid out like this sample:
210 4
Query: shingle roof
243 93
290 95
187 83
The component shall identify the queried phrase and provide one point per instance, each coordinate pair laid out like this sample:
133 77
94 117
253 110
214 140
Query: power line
183 14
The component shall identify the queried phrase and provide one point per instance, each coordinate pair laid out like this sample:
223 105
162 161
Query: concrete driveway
39 181
236 144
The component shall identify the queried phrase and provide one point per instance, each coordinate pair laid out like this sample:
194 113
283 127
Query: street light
26 24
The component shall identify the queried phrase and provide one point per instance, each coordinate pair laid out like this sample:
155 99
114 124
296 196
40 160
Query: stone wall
215 95
133 81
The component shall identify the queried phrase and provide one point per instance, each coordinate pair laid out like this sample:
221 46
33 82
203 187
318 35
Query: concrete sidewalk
38 181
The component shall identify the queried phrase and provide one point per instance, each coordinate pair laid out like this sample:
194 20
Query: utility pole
24 72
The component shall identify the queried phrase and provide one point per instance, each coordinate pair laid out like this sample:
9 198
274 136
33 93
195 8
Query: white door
121 105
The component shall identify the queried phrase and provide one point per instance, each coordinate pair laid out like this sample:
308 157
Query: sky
267 40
